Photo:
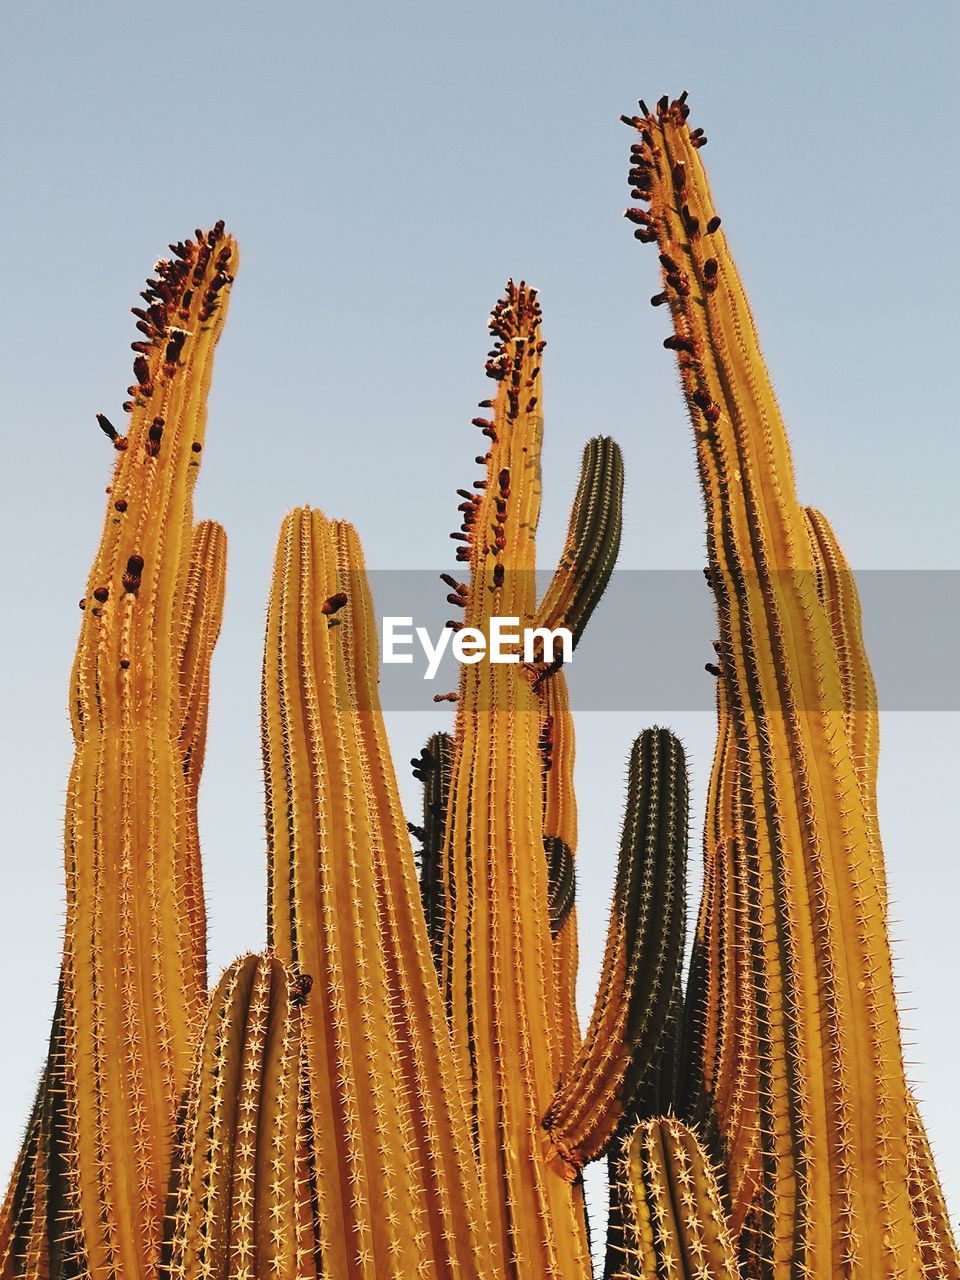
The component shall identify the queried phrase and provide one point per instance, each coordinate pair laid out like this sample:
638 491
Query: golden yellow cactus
400 1193
244 1189
797 1054
398 1086
667 1217
133 982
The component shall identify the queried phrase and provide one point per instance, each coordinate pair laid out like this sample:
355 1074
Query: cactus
637 1004
133 983
399 1085
244 1195
400 1189
667 1218
795 1046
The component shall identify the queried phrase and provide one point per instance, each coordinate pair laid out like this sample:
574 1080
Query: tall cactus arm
667 1217
242 1194
132 983
832 1178
636 1001
498 969
401 1191
432 768
200 628
593 541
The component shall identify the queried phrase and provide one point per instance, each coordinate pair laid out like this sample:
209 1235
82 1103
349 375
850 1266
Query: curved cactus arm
667 1216
838 591
132 979
401 1190
498 968
202 613
636 1005
243 1198
593 541
831 1162
432 769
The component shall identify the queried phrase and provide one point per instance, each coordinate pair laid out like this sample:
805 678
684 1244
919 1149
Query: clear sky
385 167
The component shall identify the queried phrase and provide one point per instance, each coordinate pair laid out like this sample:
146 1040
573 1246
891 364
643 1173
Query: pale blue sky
385 167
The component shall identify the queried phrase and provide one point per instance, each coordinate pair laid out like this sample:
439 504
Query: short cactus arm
636 1005
243 1192
200 627
859 695
202 614
593 541
344 908
667 1216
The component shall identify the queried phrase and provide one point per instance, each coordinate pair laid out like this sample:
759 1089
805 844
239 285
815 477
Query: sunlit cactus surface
399 1086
